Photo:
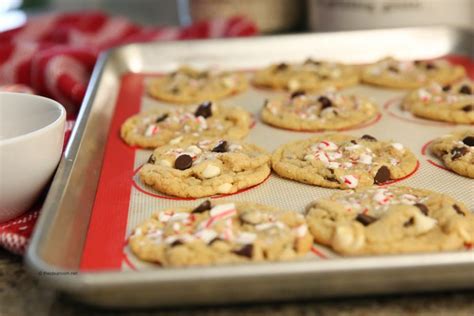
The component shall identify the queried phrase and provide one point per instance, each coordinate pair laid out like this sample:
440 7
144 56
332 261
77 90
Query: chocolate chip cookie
205 167
313 112
221 233
393 73
388 220
452 103
311 75
456 150
159 127
188 85
343 161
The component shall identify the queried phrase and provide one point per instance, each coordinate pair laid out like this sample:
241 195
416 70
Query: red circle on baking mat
424 153
168 197
408 116
402 178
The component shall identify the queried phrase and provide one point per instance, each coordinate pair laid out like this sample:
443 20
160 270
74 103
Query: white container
31 140
332 15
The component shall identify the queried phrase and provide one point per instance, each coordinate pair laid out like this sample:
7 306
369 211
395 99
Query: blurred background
271 16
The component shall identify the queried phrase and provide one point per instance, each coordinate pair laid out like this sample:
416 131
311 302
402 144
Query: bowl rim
61 118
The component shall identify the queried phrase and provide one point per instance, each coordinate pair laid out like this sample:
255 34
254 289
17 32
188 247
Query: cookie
343 161
312 75
221 233
206 167
452 103
393 73
315 112
159 127
389 220
188 85
456 150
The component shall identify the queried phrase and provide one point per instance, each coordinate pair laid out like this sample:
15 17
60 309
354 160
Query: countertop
22 295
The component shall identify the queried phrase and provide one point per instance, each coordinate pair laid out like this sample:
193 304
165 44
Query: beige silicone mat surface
393 124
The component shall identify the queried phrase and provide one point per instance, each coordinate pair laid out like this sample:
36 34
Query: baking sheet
106 208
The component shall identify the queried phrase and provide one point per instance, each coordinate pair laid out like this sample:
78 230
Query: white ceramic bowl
31 140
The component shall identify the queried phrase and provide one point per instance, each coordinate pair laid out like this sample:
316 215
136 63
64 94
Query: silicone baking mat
122 202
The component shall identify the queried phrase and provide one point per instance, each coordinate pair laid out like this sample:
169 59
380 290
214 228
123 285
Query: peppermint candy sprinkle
350 180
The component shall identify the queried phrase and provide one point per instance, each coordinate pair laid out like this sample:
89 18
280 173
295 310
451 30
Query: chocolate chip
409 222
422 207
204 206
325 102
245 251
162 118
183 162
393 69
468 108
446 88
204 110
417 62
382 175
175 90
281 67
297 94
176 243
312 62
214 240
332 179
354 142
221 147
369 138
458 210
430 66
465 89
365 219
458 152
469 140
152 159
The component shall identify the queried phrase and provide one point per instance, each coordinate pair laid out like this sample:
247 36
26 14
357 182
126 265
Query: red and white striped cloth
54 54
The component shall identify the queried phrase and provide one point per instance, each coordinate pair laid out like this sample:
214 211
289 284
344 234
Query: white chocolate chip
423 223
229 82
252 217
211 171
224 188
165 163
309 157
293 85
301 230
346 237
176 140
365 159
245 238
398 146
194 149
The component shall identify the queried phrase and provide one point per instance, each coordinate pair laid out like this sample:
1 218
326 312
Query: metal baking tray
60 241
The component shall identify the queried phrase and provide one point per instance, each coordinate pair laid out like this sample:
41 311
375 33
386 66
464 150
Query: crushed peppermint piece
152 130
327 145
350 180
206 235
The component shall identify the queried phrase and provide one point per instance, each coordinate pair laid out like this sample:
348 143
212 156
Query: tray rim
90 281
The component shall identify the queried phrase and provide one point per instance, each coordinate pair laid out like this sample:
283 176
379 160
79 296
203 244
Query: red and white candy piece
350 180
327 145
152 130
